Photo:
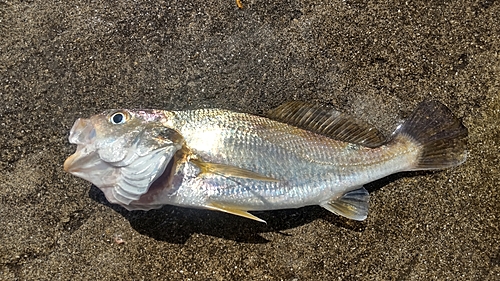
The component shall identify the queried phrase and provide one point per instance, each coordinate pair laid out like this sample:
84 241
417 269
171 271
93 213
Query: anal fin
352 205
232 210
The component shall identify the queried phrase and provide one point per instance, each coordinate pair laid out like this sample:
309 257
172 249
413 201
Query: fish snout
82 132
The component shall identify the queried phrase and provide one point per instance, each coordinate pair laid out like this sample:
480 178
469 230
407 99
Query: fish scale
300 155
321 166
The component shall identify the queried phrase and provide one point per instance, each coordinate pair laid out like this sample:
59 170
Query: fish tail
440 136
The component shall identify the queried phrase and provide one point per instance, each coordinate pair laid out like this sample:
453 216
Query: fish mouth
82 134
80 162
68 164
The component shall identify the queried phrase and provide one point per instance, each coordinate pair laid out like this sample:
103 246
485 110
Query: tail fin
440 134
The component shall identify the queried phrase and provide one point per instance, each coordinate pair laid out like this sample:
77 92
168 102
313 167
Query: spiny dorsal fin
352 205
229 171
328 122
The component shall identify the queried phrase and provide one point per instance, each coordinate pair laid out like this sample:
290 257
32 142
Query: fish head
122 152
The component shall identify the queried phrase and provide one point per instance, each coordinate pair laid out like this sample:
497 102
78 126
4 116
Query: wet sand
63 60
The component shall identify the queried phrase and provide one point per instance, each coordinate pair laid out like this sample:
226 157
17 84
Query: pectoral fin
229 171
232 210
352 205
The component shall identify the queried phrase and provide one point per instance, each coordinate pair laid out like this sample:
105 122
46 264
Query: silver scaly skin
237 162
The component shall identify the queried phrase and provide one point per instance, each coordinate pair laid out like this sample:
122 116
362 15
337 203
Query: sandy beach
62 60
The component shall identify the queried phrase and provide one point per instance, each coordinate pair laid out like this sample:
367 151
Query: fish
299 154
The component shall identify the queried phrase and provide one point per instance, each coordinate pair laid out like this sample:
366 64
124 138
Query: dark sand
60 60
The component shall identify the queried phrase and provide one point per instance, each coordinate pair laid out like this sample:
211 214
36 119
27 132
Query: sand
61 60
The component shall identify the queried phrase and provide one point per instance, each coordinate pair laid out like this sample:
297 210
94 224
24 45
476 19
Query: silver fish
299 155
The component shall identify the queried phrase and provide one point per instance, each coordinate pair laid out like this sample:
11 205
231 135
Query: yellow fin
232 210
229 171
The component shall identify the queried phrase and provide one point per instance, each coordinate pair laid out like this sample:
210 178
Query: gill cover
145 161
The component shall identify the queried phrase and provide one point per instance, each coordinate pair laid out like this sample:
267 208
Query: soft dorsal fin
328 122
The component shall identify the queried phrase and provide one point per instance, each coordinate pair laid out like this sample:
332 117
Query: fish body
237 162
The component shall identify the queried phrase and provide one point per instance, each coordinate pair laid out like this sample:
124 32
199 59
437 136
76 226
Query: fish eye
118 118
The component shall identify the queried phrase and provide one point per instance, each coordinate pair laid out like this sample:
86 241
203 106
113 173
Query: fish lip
69 162
82 134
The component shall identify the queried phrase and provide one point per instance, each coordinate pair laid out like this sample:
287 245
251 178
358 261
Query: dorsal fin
328 122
